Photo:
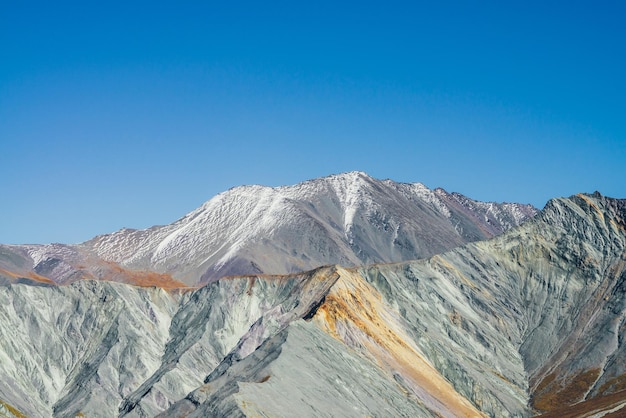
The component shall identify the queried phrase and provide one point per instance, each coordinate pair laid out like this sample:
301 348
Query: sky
132 114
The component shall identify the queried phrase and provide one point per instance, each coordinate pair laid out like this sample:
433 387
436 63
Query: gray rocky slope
530 321
349 219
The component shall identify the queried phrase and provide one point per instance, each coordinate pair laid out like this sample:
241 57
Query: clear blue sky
130 114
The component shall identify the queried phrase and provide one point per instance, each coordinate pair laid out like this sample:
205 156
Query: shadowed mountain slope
528 322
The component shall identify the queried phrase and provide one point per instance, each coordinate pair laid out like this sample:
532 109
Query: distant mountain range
529 321
349 219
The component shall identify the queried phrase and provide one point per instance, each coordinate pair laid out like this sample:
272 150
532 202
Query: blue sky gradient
130 114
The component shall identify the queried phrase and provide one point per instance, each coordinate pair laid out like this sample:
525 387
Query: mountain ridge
349 219
524 323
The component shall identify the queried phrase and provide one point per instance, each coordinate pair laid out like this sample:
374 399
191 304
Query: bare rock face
101 348
349 219
529 322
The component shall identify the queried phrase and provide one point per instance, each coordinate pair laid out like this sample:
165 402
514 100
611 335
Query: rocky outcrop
99 346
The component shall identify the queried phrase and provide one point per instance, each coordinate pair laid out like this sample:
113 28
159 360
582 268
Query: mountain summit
529 322
349 219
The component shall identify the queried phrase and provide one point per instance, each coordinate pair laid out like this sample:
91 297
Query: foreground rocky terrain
529 322
349 219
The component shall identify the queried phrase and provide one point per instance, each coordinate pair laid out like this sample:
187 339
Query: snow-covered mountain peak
347 219
349 176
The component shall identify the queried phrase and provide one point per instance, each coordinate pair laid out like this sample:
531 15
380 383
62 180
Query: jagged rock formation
349 219
528 322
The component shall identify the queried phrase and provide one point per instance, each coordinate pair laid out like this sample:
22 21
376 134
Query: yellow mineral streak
12 410
592 204
353 312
